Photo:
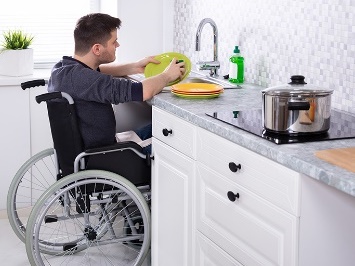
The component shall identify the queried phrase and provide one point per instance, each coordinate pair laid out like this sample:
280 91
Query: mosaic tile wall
278 38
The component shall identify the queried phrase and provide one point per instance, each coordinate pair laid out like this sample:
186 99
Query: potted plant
16 58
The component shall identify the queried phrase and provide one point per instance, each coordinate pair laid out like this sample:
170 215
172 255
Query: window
50 22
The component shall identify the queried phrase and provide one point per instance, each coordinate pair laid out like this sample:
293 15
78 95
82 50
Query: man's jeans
145 133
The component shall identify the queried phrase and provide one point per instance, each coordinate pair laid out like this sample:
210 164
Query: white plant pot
16 63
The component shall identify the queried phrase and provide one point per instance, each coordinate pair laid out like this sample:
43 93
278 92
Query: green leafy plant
16 40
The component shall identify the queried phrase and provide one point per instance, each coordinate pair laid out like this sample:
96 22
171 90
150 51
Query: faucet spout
211 65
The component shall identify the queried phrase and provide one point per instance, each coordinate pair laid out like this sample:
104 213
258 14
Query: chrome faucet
208 65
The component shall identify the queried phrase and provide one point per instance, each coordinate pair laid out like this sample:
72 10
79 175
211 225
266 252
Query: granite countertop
297 156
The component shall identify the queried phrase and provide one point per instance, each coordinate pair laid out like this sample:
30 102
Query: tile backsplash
278 38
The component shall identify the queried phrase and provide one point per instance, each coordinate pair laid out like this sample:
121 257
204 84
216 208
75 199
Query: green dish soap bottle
236 67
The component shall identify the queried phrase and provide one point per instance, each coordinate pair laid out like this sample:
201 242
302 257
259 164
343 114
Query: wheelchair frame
120 219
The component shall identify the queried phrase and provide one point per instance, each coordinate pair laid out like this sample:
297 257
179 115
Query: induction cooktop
342 126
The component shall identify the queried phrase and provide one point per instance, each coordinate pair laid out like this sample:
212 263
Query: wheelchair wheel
34 177
137 222
81 220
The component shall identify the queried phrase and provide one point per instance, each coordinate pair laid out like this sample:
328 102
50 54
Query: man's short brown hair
93 28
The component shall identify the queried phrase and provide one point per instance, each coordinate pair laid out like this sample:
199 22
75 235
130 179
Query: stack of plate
197 90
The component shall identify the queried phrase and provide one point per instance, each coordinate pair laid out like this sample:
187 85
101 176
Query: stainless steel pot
296 108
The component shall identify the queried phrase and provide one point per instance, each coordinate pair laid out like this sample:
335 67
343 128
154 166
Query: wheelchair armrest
117 147
125 158
120 146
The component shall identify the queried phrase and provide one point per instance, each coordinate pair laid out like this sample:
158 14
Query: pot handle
298 105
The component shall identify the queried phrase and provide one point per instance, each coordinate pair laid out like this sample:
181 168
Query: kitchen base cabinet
172 204
173 175
193 220
14 135
246 204
327 225
25 131
250 229
217 203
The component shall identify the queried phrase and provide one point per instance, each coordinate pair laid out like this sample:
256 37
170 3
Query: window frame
45 38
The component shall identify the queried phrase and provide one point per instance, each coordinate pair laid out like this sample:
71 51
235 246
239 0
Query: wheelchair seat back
65 133
120 158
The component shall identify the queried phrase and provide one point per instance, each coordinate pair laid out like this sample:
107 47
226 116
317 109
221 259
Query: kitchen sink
196 77
193 78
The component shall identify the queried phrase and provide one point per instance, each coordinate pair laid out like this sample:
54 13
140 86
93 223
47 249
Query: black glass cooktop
342 126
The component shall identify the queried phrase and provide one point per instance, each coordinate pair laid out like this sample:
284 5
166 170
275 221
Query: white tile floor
13 250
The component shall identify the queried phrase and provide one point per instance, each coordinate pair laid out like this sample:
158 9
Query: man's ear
96 49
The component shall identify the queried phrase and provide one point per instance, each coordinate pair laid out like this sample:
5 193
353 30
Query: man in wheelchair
93 204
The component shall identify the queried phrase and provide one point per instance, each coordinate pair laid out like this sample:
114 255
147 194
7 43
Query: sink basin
193 78
196 77
196 80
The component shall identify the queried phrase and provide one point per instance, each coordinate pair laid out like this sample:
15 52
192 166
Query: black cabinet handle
166 132
232 196
234 167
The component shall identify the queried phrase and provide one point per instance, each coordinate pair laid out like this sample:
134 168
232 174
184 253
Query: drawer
264 177
250 229
174 132
209 254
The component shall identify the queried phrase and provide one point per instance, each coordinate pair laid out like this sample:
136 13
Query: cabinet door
250 229
172 177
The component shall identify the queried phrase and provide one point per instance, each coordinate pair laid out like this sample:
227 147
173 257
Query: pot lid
297 86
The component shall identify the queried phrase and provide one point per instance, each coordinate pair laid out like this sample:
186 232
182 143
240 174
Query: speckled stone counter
299 157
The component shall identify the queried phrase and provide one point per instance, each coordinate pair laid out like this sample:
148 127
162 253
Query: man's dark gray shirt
93 93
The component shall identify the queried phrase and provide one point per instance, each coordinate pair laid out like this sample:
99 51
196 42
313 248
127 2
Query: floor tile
12 249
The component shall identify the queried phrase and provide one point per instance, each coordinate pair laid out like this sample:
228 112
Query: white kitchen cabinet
250 229
173 172
14 135
171 206
25 131
265 178
327 225
261 226
280 217
191 213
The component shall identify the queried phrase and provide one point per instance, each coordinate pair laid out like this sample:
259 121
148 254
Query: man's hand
175 70
141 64
154 85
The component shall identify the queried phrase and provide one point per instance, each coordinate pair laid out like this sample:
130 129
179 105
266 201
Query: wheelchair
88 206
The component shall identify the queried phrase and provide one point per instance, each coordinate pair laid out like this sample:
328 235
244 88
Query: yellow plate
197 88
196 93
196 96
165 59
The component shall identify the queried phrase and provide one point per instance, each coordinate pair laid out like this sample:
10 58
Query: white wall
278 38
147 28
